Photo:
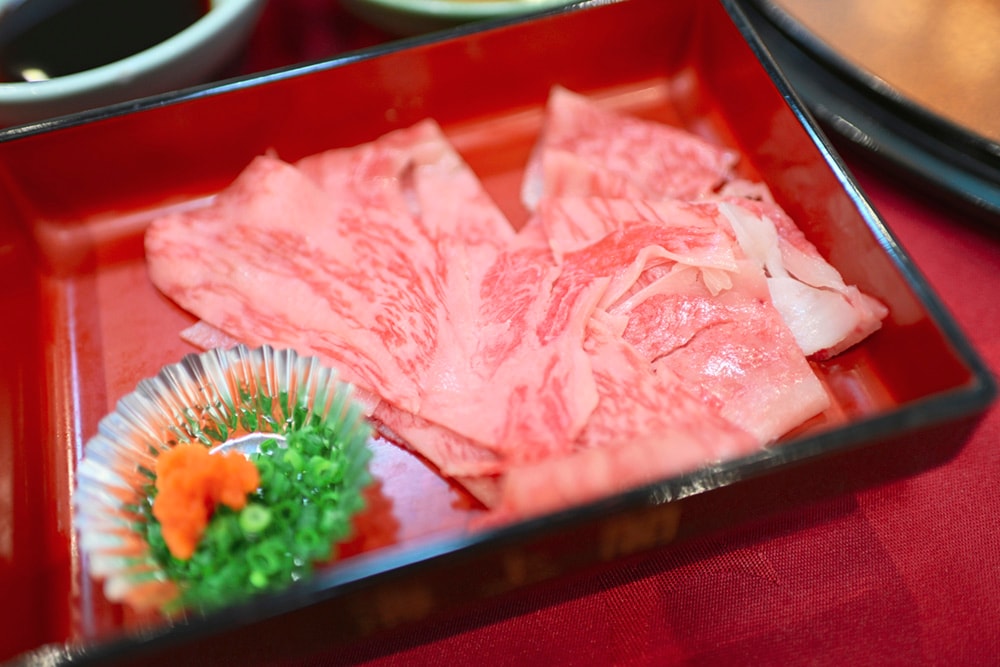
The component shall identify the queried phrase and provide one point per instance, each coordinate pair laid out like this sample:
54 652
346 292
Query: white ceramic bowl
412 17
190 57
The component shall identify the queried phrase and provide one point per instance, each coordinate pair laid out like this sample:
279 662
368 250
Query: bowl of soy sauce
59 57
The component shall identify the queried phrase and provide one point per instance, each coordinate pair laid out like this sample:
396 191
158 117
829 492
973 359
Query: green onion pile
310 487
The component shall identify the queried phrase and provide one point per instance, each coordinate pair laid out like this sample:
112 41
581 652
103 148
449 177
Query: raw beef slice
370 265
651 161
722 335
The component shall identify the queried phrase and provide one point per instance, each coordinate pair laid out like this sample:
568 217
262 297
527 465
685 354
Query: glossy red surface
86 324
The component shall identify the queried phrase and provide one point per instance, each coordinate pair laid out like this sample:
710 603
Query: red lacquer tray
84 324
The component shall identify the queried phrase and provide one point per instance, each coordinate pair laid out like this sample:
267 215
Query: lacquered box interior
85 324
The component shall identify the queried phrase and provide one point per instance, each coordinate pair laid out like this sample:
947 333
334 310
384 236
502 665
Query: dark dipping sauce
90 33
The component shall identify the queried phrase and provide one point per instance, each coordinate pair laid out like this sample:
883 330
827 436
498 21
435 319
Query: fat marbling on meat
651 317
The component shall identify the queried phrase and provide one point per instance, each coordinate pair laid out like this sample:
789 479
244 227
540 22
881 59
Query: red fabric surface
905 572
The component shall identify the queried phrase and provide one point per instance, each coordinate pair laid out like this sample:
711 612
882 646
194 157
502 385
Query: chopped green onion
293 459
258 579
254 518
311 481
268 447
266 557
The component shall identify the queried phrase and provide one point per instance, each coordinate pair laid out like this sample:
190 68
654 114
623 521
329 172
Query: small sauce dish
138 53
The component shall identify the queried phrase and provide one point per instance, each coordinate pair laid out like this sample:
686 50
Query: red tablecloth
905 572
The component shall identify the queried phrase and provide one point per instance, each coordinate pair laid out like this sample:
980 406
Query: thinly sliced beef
454 455
691 232
594 234
204 335
540 350
826 315
338 299
585 149
388 285
647 427
647 319
525 342
731 342
738 349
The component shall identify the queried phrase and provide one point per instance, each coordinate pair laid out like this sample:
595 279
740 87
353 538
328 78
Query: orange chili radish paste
190 483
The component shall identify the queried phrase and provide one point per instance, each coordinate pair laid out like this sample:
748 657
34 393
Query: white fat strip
819 316
757 237
716 278
809 271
